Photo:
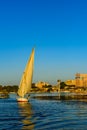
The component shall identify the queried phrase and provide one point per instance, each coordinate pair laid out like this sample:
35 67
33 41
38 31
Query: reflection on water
44 113
62 96
26 112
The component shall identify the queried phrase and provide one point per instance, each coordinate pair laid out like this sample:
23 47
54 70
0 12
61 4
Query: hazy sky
57 29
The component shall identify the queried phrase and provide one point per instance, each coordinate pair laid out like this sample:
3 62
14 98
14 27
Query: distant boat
4 95
26 81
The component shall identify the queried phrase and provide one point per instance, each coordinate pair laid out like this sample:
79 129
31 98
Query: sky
56 28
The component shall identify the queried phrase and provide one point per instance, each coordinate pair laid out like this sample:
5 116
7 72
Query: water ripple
43 115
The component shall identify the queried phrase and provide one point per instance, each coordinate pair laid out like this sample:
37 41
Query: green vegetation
62 85
45 88
48 87
8 88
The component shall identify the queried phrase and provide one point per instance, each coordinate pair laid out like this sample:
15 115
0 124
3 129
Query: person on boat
28 96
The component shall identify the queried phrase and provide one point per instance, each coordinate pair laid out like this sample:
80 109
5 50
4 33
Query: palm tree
58 81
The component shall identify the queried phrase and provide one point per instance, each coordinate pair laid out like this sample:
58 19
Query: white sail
26 81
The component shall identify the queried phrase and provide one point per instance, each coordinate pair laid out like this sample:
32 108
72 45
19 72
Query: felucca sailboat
26 81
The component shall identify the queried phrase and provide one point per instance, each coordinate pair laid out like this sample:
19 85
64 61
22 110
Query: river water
45 114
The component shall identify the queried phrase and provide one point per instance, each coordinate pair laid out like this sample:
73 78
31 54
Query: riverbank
62 97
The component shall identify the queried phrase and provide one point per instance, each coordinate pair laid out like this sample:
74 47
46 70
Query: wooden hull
22 99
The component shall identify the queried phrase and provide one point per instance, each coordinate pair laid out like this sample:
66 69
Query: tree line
8 88
14 88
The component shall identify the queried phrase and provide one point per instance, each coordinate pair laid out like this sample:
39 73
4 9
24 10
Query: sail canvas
26 81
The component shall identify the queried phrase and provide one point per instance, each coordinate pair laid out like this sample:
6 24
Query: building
70 82
81 80
41 84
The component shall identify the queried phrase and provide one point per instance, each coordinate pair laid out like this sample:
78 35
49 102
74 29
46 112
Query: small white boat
26 81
